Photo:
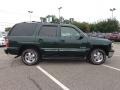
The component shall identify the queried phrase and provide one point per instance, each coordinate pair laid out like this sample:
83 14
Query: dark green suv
35 41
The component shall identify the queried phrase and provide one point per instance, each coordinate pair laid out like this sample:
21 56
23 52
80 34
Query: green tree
54 19
83 26
110 25
7 29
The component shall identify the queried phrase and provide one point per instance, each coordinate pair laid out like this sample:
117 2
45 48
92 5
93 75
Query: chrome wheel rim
98 56
30 57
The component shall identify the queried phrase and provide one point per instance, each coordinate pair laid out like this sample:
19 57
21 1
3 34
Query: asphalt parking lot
59 74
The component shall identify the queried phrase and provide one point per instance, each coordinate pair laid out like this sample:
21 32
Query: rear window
24 29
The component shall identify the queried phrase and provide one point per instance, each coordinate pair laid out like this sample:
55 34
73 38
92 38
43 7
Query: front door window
69 32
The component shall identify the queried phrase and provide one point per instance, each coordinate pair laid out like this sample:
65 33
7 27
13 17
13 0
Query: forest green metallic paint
72 46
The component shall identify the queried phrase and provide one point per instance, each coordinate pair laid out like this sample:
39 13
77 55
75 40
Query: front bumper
110 53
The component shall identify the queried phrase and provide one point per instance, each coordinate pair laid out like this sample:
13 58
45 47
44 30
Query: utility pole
59 13
30 12
112 10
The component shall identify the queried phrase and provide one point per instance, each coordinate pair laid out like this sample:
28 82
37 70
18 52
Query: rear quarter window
23 29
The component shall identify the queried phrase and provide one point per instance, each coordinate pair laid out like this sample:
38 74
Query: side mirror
81 37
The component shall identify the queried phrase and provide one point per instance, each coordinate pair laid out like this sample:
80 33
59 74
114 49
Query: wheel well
24 47
104 48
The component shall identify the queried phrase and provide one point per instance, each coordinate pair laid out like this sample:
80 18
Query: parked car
94 34
4 34
115 36
2 40
101 35
34 41
107 36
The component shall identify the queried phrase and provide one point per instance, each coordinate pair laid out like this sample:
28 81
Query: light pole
59 13
30 12
112 10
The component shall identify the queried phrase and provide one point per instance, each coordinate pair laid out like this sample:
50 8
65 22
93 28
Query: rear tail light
6 42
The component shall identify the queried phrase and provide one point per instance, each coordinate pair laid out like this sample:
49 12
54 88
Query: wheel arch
24 47
102 47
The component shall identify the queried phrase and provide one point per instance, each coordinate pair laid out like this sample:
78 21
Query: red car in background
115 36
107 36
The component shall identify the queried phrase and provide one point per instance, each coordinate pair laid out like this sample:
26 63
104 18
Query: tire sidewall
92 60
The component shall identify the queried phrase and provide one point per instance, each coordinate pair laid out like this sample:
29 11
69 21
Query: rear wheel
97 56
30 56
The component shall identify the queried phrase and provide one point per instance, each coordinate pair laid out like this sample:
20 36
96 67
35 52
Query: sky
15 11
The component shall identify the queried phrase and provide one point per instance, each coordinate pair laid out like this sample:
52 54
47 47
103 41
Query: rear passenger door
47 38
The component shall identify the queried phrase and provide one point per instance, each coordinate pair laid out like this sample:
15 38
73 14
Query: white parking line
116 55
112 67
52 78
118 50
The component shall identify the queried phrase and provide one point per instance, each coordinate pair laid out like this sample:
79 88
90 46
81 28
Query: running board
58 58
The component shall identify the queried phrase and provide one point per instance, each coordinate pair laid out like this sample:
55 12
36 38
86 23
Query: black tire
30 57
97 56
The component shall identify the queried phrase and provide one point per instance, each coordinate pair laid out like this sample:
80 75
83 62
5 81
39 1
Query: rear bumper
13 51
110 53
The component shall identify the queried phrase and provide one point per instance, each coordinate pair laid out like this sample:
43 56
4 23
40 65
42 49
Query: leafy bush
110 25
83 26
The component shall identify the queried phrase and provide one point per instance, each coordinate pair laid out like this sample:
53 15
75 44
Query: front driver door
70 42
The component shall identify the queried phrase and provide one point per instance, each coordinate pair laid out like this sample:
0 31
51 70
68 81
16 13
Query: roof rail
31 22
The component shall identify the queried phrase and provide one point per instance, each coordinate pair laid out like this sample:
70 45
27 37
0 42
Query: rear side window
48 31
24 29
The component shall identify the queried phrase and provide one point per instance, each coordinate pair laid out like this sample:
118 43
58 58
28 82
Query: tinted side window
24 29
48 31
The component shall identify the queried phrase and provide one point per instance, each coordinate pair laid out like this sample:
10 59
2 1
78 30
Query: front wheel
30 57
97 56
